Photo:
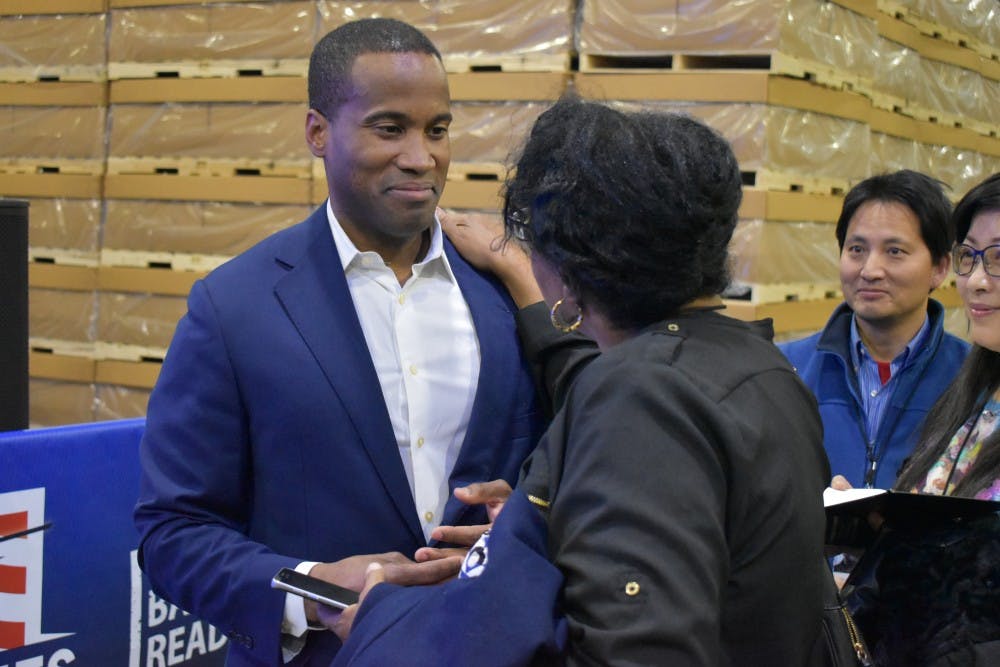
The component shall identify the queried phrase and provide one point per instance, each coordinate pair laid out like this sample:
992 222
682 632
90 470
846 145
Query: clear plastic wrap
214 228
218 31
966 17
256 131
62 315
827 33
960 168
463 28
813 30
58 403
71 133
45 46
627 27
956 322
991 27
898 76
503 26
490 132
117 402
72 224
891 153
141 320
763 252
939 91
782 140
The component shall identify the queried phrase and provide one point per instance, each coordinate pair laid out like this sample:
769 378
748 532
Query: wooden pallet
931 115
477 171
221 167
757 293
790 182
774 62
202 69
792 319
47 73
34 7
62 256
172 261
44 165
123 352
507 62
66 348
926 26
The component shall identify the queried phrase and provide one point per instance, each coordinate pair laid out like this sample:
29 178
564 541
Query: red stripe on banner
13 579
13 523
11 635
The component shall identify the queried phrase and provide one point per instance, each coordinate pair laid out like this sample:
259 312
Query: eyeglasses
964 258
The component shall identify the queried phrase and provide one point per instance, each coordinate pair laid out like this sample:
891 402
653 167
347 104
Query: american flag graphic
21 569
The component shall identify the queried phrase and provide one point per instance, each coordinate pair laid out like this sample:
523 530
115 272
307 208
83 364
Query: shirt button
401 299
413 369
420 442
428 516
874 393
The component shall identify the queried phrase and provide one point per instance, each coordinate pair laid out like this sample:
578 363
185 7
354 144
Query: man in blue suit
329 388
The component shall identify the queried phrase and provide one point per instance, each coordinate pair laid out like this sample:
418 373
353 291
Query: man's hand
341 622
395 567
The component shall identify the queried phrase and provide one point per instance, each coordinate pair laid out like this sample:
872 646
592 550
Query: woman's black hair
975 383
634 209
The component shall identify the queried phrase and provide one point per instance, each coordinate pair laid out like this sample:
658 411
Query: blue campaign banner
72 592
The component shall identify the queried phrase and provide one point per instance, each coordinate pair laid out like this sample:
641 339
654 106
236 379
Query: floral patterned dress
961 454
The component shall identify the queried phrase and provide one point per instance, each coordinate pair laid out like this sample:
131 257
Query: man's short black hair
918 192
635 209
333 56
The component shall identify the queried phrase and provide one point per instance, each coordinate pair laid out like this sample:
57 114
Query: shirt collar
859 353
433 262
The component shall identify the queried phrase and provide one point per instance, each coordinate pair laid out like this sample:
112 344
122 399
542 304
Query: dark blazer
268 441
681 484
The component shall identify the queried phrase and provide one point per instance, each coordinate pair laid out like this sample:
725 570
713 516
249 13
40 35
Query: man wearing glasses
883 358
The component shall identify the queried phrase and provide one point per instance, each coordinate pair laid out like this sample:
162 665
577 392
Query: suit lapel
498 376
314 294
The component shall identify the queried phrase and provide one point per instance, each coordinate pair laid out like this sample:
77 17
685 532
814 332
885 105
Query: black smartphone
321 591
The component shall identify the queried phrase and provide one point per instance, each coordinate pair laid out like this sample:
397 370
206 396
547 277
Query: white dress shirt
425 351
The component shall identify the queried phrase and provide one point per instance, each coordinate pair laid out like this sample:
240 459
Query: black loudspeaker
13 314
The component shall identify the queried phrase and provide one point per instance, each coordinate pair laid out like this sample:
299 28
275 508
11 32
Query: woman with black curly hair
678 489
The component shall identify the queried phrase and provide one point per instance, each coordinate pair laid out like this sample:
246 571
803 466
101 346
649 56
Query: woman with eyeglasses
929 595
960 450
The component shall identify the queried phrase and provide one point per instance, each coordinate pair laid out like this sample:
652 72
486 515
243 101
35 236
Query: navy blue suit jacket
268 441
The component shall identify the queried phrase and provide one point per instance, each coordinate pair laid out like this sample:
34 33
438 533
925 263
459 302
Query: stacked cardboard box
171 131
53 108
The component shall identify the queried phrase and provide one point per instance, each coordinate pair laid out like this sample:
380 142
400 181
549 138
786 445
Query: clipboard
847 512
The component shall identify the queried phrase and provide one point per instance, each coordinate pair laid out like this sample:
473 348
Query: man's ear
940 272
317 129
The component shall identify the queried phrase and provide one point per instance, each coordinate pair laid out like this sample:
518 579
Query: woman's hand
840 483
479 238
491 494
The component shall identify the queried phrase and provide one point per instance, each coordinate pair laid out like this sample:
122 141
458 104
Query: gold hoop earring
562 325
